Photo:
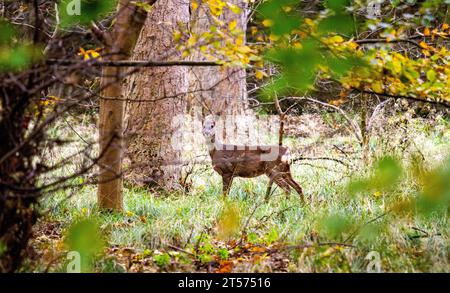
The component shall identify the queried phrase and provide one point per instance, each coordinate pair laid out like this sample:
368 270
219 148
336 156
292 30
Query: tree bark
160 97
119 44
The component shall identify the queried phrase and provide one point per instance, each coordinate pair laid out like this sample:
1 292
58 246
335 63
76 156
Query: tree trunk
157 95
219 91
129 21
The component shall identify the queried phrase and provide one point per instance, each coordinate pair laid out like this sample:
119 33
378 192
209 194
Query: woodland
224 136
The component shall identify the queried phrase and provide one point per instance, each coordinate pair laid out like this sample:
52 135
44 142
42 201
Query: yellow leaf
130 214
259 74
377 194
423 45
89 54
287 9
176 36
353 45
328 252
273 37
267 22
239 41
232 25
377 86
337 39
194 5
337 102
426 32
297 45
445 26
309 22
234 8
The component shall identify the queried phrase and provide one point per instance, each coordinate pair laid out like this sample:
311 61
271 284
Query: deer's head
209 129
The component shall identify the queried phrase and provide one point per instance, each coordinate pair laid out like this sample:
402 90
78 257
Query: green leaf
298 66
431 75
335 225
338 6
339 23
82 12
147 7
7 32
281 21
85 238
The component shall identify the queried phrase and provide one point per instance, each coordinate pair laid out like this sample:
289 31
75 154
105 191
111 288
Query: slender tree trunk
157 96
129 21
364 132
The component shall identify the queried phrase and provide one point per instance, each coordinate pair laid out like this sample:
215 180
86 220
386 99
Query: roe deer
250 161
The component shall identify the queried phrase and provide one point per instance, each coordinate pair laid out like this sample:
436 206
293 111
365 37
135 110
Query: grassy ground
200 231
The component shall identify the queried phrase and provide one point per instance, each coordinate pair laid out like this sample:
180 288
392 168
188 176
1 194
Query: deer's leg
226 184
281 182
295 185
269 187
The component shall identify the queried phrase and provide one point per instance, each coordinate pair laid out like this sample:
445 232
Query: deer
244 161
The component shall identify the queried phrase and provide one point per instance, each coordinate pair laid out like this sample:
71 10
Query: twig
365 224
318 244
180 249
374 41
244 229
322 158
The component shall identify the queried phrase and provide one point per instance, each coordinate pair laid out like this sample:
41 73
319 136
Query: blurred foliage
436 190
386 174
433 194
82 12
84 236
307 49
338 19
15 54
385 182
229 221
334 226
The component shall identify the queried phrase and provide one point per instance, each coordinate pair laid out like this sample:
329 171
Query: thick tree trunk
157 96
129 21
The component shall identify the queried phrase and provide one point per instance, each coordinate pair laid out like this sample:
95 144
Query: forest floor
199 231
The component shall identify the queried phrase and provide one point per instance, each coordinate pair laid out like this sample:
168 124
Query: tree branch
125 63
